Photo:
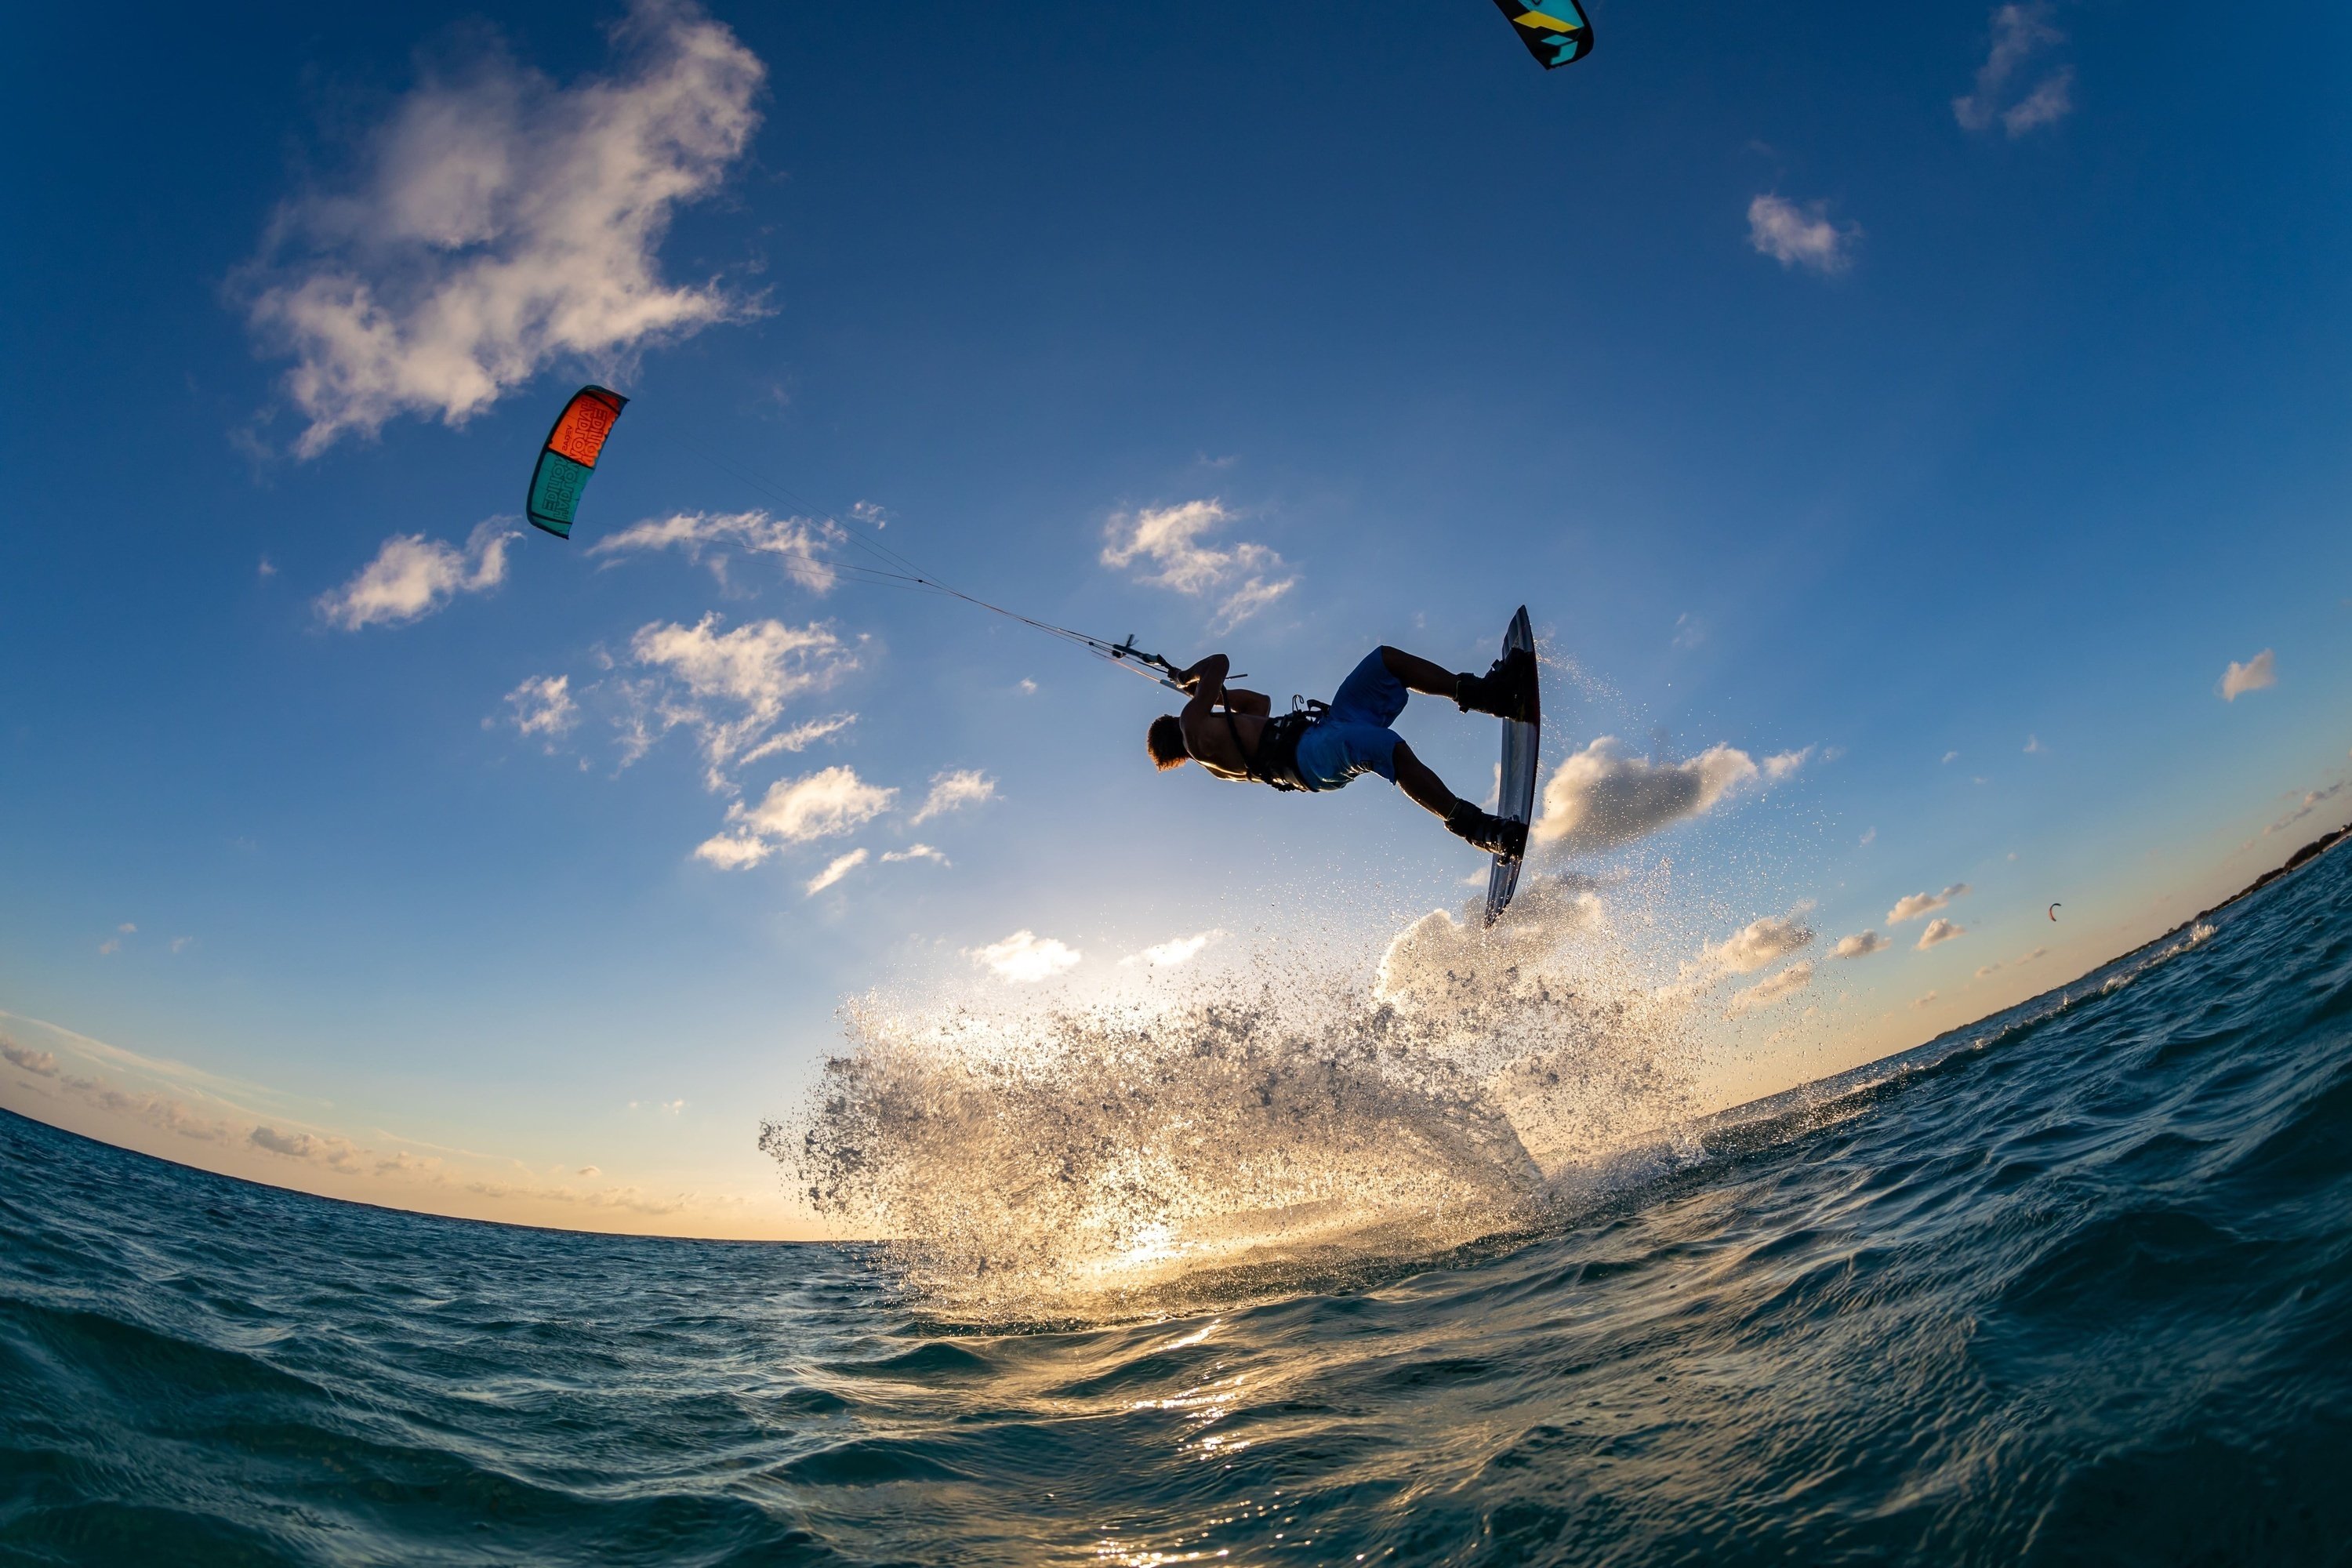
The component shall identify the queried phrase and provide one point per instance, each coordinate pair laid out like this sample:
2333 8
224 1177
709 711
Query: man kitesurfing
1235 733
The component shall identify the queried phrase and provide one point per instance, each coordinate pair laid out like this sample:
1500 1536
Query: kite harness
1276 760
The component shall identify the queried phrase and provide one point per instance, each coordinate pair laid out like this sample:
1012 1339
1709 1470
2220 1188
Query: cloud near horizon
1024 958
1604 796
501 224
1169 547
412 576
1175 951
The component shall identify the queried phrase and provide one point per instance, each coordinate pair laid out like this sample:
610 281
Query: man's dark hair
1165 741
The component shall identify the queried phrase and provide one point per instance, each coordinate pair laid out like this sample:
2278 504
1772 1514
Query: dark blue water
2073 1285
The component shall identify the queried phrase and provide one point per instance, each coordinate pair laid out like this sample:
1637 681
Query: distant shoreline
2294 862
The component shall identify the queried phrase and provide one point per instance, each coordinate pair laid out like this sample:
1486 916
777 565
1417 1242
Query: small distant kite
1554 31
2053 912
568 457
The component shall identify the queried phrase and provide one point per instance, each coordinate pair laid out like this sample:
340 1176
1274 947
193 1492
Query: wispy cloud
2019 33
1025 957
1861 945
1772 988
824 805
1170 547
1800 236
1175 951
1911 906
543 705
952 792
840 866
502 223
795 543
915 852
1603 795
2312 801
412 576
2256 674
732 688
1940 931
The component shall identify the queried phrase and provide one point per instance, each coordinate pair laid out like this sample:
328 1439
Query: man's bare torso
1223 741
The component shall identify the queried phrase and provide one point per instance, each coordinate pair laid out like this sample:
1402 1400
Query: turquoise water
2071 1285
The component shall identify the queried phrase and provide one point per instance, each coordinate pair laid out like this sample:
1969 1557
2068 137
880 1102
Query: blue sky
1903 417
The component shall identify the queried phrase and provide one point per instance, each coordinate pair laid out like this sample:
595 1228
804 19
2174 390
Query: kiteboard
1516 799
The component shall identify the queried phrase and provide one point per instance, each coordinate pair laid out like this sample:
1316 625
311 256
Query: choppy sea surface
2071 1285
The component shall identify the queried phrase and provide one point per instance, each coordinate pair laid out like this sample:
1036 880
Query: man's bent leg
1417 673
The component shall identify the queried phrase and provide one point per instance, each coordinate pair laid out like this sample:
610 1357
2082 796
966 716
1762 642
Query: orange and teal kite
1554 31
569 456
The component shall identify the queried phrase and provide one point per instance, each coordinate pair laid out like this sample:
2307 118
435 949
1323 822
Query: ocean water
2072 1285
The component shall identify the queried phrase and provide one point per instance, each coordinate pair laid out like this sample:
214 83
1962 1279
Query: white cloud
1869 837
2018 33
952 792
915 852
1025 956
542 706
795 542
40 1064
1771 989
2255 675
325 1149
732 688
1756 945
1984 970
1800 236
182 943
840 866
1603 795
503 224
1912 905
2034 744
1175 951
412 576
1951 756
1939 931
1861 945
1689 631
824 805
1170 547
1926 1001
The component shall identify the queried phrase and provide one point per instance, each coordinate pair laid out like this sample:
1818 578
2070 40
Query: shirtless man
1234 734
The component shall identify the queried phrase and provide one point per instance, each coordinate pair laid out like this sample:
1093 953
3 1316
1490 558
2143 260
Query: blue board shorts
1354 737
